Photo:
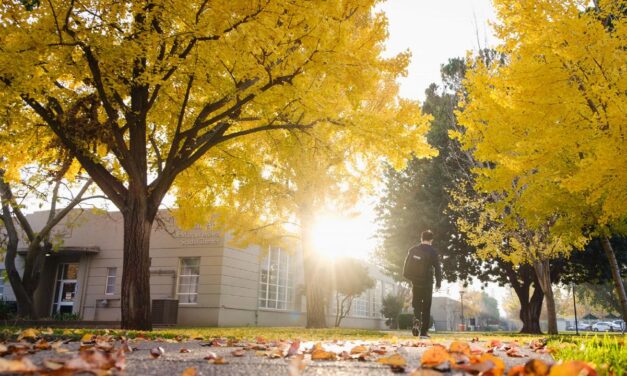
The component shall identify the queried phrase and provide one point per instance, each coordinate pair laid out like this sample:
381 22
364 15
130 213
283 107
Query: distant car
580 326
617 325
602 326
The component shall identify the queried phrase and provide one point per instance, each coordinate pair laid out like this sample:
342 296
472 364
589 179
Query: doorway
65 288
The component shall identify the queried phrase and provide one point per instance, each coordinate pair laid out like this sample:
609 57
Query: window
377 298
275 285
110 285
360 304
189 272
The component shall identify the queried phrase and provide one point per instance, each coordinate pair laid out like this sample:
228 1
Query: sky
435 31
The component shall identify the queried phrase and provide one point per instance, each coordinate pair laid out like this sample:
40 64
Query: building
446 313
214 283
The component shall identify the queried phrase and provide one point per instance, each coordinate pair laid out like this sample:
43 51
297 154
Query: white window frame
377 299
178 281
263 301
358 302
110 281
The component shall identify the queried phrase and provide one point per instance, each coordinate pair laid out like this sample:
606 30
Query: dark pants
421 301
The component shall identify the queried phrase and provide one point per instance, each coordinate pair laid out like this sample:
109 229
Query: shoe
415 330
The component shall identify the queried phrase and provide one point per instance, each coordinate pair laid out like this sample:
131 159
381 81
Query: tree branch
65 211
6 196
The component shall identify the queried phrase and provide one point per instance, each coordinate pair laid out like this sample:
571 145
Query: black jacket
420 263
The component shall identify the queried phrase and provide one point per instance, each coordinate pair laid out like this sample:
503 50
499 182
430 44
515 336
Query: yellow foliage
250 109
546 124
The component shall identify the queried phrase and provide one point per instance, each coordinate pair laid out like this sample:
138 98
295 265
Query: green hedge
405 321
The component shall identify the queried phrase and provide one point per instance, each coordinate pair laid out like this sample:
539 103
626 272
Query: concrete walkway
173 362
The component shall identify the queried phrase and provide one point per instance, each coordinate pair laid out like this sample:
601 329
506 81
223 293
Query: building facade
215 284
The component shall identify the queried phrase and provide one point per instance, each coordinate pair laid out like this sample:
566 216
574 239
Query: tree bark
543 272
530 312
138 221
521 280
618 281
341 312
314 276
25 306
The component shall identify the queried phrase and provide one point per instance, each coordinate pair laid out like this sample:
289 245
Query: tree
45 183
38 242
391 307
498 232
547 123
141 91
481 306
599 296
351 280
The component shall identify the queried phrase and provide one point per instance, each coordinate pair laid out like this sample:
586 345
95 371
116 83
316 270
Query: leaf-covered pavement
40 352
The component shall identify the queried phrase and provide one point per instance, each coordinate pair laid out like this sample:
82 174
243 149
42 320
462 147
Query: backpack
417 263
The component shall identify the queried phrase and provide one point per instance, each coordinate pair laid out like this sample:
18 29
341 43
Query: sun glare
335 237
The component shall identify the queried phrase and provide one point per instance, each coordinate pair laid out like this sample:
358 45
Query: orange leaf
517 371
191 371
435 356
359 349
319 354
572 367
536 367
499 364
395 360
460 347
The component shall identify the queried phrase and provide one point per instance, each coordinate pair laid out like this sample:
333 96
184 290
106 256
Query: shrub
8 310
65 317
405 321
392 306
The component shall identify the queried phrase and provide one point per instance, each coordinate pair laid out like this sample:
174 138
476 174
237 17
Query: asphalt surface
173 362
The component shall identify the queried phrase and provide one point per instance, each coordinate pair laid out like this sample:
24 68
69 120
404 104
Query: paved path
173 362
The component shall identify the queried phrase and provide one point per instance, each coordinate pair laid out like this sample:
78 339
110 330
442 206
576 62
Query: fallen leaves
104 354
396 362
156 352
191 371
435 356
319 353
29 333
17 365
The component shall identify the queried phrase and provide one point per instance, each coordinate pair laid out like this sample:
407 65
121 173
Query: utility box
165 311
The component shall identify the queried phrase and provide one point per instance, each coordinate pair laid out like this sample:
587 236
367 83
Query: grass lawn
606 351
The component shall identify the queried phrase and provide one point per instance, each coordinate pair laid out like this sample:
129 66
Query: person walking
420 264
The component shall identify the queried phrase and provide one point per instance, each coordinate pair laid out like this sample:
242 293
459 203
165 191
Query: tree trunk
521 280
543 271
25 307
341 312
136 313
314 276
618 281
530 310
24 299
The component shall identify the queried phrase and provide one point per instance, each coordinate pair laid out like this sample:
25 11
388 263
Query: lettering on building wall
200 234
